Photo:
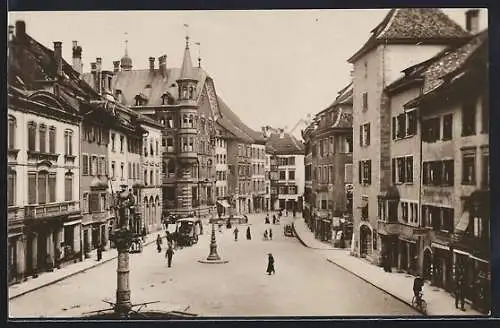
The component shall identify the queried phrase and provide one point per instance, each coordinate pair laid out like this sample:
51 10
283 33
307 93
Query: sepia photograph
248 164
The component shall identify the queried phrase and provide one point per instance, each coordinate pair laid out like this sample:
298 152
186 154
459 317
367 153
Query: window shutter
360 173
393 128
393 171
367 134
361 135
369 164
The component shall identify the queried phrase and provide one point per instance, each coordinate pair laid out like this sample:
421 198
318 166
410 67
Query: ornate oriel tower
187 142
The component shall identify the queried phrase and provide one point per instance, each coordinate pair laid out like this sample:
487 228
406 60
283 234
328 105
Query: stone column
34 254
408 254
400 252
77 237
20 257
50 250
58 233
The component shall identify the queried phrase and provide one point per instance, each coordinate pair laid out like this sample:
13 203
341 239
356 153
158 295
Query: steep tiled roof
439 73
152 84
231 126
228 114
286 145
423 25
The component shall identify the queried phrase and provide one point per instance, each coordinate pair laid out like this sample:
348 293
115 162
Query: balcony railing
51 210
15 215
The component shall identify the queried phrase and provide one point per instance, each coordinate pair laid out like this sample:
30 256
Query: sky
271 67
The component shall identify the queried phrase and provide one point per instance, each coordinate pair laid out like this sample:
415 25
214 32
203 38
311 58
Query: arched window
12 132
43 138
191 92
190 121
185 120
191 146
151 180
146 177
31 136
11 187
184 92
68 186
68 142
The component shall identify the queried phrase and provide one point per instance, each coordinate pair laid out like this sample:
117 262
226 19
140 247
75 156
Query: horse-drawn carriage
187 231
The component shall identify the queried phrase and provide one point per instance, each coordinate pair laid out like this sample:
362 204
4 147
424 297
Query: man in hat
270 264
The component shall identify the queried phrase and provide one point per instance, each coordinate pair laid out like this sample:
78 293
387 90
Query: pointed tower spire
187 64
126 61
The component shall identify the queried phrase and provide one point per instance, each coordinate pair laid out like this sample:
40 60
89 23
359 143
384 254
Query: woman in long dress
270 264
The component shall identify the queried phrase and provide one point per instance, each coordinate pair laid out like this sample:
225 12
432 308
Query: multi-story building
454 191
183 101
43 156
258 159
287 159
330 159
391 48
267 182
221 170
150 193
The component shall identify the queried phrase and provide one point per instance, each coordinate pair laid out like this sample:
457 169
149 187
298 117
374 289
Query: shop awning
223 203
463 223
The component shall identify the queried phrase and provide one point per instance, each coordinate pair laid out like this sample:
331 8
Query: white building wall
221 165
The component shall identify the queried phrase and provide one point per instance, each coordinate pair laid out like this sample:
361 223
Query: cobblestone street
227 289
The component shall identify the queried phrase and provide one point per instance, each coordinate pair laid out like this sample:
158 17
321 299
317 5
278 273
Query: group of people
268 234
236 232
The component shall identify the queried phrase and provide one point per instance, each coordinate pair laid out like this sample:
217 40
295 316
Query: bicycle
421 306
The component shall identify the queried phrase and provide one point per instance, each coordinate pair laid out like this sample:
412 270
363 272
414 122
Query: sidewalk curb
70 274
376 286
303 243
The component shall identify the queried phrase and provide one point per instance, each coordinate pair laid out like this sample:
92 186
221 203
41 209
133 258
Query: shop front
223 207
442 266
407 255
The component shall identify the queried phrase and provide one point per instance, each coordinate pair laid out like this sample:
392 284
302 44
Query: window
11 188
348 173
291 175
85 202
438 218
431 129
364 208
447 127
468 166
85 164
145 177
438 173
330 174
100 164
44 189
112 141
157 148
121 170
68 187
468 119
113 170
409 169
364 134
448 172
130 170
485 168
43 138
12 132
404 211
291 161
447 219
121 144
365 100
401 130
412 123
282 175
31 136
402 170
93 165
68 142
151 180
365 168
32 191
102 202
52 140
366 69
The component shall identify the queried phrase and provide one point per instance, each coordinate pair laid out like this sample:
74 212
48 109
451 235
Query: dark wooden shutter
369 164
394 128
393 171
361 135
360 172
367 134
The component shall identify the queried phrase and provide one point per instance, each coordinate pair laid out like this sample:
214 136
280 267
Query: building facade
329 155
286 170
258 159
43 157
377 64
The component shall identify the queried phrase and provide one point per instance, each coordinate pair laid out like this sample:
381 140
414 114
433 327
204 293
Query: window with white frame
364 135
11 187
68 142
348 173
468 166
12 132
365 168
68 186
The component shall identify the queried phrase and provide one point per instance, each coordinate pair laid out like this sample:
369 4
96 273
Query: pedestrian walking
99 252
267 219
236 234
270 234
158 243
143 233
274 219
459 290
270 264
265 235
249 235
169 254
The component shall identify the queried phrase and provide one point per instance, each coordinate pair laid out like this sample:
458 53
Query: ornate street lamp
213 257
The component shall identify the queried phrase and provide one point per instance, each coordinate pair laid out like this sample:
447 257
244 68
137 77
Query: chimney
58 57
151 64
20 30
472 21
93 71
116 66
77 57
162 61
99 63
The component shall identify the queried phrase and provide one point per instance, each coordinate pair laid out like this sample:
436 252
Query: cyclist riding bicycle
418 283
